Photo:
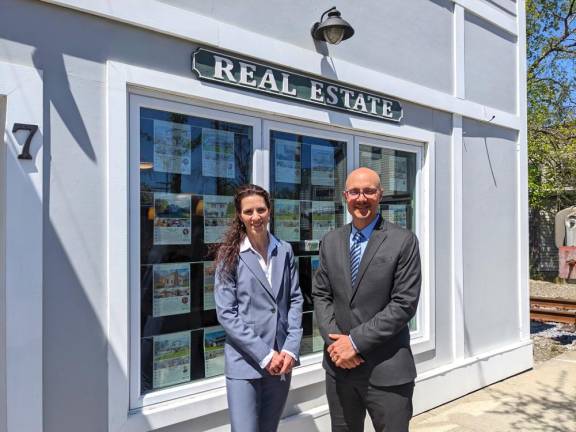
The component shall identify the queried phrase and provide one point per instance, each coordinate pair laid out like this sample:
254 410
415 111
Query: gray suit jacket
377 309
258 317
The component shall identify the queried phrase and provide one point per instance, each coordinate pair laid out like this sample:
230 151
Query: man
365 292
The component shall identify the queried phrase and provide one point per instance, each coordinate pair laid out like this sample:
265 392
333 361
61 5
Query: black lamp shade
333 29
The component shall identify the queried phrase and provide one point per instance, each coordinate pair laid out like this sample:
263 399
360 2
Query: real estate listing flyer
171 359
172 147
217 153
214 338
172 222
171 284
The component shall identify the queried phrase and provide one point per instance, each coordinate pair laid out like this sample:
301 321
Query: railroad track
554 310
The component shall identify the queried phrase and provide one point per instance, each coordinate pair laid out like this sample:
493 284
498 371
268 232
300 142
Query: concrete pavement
540 400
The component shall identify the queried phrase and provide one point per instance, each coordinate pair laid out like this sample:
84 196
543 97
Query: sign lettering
233 71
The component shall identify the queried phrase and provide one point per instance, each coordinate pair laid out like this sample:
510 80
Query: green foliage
551 81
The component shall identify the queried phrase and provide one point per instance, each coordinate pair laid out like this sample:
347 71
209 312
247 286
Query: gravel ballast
550 339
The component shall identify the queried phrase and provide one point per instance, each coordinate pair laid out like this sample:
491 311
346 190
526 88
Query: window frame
419 337
261 129
136 102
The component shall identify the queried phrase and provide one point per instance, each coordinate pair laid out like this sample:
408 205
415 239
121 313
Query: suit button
273 310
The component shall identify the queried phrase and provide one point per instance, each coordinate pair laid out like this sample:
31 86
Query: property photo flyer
209 303
218 215
311 245
288 161
171 284
172 221
399 179
218 153
171 359
323 218
214 338
322 165
172 147
287 219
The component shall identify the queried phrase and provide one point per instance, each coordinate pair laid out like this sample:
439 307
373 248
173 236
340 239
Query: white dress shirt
266 265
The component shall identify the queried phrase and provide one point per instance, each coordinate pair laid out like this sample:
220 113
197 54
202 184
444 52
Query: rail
553 310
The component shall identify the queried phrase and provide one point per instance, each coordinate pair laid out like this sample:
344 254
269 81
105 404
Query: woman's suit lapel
277 260
249 258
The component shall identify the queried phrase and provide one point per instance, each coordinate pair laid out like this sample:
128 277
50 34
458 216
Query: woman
259 305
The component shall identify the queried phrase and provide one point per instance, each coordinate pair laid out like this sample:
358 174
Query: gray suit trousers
255 405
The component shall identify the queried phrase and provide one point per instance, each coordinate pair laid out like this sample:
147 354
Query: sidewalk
540 400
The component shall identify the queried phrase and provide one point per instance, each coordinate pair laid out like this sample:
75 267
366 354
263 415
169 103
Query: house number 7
32 129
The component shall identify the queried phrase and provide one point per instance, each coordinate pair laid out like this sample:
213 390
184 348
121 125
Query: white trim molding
491 14
457 248
21 88
156 16
438 386
522 179
450 382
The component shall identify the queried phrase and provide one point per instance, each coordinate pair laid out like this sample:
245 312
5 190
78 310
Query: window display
189 169
306 209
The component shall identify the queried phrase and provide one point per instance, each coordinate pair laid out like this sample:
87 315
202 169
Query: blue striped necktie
355 255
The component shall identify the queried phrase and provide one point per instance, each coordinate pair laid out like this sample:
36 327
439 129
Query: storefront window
191 160
189 170
307 177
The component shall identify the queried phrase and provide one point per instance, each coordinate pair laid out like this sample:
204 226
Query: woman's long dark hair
227 252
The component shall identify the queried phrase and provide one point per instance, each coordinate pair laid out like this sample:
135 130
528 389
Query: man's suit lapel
344 246
252 263
378 236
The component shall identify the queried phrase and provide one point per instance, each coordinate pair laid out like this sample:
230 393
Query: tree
551 81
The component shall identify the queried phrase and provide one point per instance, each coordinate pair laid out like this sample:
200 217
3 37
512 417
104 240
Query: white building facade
128 124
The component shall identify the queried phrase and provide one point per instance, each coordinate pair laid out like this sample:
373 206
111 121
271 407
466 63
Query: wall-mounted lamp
332 30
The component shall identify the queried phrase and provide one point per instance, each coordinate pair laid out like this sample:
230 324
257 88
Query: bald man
365 292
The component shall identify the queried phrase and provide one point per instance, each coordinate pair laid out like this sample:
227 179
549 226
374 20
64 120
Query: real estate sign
234 71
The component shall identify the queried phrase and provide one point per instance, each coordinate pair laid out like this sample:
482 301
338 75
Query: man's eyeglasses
367 192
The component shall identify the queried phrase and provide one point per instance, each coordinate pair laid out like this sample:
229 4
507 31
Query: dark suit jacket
377 309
